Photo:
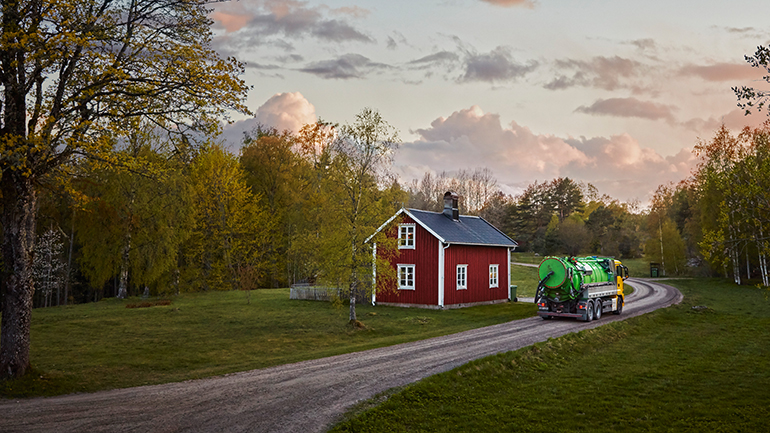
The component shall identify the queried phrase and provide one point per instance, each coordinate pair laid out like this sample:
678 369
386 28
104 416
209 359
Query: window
405 236
406 277
462 277
493 276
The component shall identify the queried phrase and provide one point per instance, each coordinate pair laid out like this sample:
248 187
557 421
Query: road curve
306 396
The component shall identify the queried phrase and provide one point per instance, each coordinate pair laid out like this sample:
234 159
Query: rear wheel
589 312
598 310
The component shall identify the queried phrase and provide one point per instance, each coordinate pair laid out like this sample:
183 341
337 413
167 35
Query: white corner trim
441 264
374 273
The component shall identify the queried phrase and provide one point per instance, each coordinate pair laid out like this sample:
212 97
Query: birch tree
362 155
48 266
72 73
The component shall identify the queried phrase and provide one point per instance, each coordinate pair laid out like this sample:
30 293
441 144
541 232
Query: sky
612 93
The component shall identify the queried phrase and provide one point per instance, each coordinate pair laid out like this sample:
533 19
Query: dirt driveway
302 397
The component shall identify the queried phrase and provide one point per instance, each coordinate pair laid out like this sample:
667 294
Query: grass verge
677 369
104 345
526 278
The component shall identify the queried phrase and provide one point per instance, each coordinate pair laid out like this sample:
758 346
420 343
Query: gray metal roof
470 230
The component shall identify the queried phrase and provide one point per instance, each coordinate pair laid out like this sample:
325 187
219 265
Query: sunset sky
615 93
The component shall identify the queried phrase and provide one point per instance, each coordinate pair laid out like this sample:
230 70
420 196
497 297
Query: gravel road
302 397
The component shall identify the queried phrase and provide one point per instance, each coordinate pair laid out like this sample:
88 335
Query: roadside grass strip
676 369
104 345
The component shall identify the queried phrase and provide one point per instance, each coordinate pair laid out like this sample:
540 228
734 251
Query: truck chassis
595 300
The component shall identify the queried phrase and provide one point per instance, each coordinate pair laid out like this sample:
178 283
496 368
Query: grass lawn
105 345
676 369
526 278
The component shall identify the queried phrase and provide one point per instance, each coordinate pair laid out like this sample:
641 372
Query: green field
526 279
105 345
676 369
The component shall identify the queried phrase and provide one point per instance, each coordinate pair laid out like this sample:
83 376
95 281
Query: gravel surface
303 397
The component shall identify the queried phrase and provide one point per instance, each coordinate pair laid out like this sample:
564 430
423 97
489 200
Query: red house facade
446 260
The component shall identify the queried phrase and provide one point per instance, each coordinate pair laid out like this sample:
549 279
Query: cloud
344 67
722 72
644 44
618 165
510 3
230 22
629 107
263 22
354 11
497 65
734 120
608 73
283 111
435 59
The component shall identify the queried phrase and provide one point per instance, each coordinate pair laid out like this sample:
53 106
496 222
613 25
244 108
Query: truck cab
621 273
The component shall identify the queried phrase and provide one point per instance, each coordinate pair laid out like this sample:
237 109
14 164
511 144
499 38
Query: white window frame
462 277
404 277
404 241
494 276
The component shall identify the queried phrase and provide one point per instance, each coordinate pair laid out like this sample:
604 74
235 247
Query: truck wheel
598 310
589 312
620 307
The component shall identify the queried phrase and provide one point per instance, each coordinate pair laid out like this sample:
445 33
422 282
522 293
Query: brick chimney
450 206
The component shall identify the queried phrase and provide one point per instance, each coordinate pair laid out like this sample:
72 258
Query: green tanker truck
580 287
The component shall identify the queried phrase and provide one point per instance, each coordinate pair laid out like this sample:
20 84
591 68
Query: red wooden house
447 260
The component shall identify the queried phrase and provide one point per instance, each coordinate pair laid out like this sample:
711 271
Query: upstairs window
462 277
493 276
406 277
406 236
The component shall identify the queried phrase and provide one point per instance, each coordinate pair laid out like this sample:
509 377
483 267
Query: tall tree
362 154
566 196
72 73
227 244
272 170
314 144
136 218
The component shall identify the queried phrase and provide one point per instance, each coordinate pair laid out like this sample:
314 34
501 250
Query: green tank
563 278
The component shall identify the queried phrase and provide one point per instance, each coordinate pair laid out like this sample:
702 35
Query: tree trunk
123 287
353 280
353 288
762 258
18 219
662 256
69 261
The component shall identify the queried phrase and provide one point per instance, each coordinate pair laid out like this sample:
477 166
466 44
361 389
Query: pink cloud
723 72
283 111
230 22
629 107
618 165
734 120
286 111
509 3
